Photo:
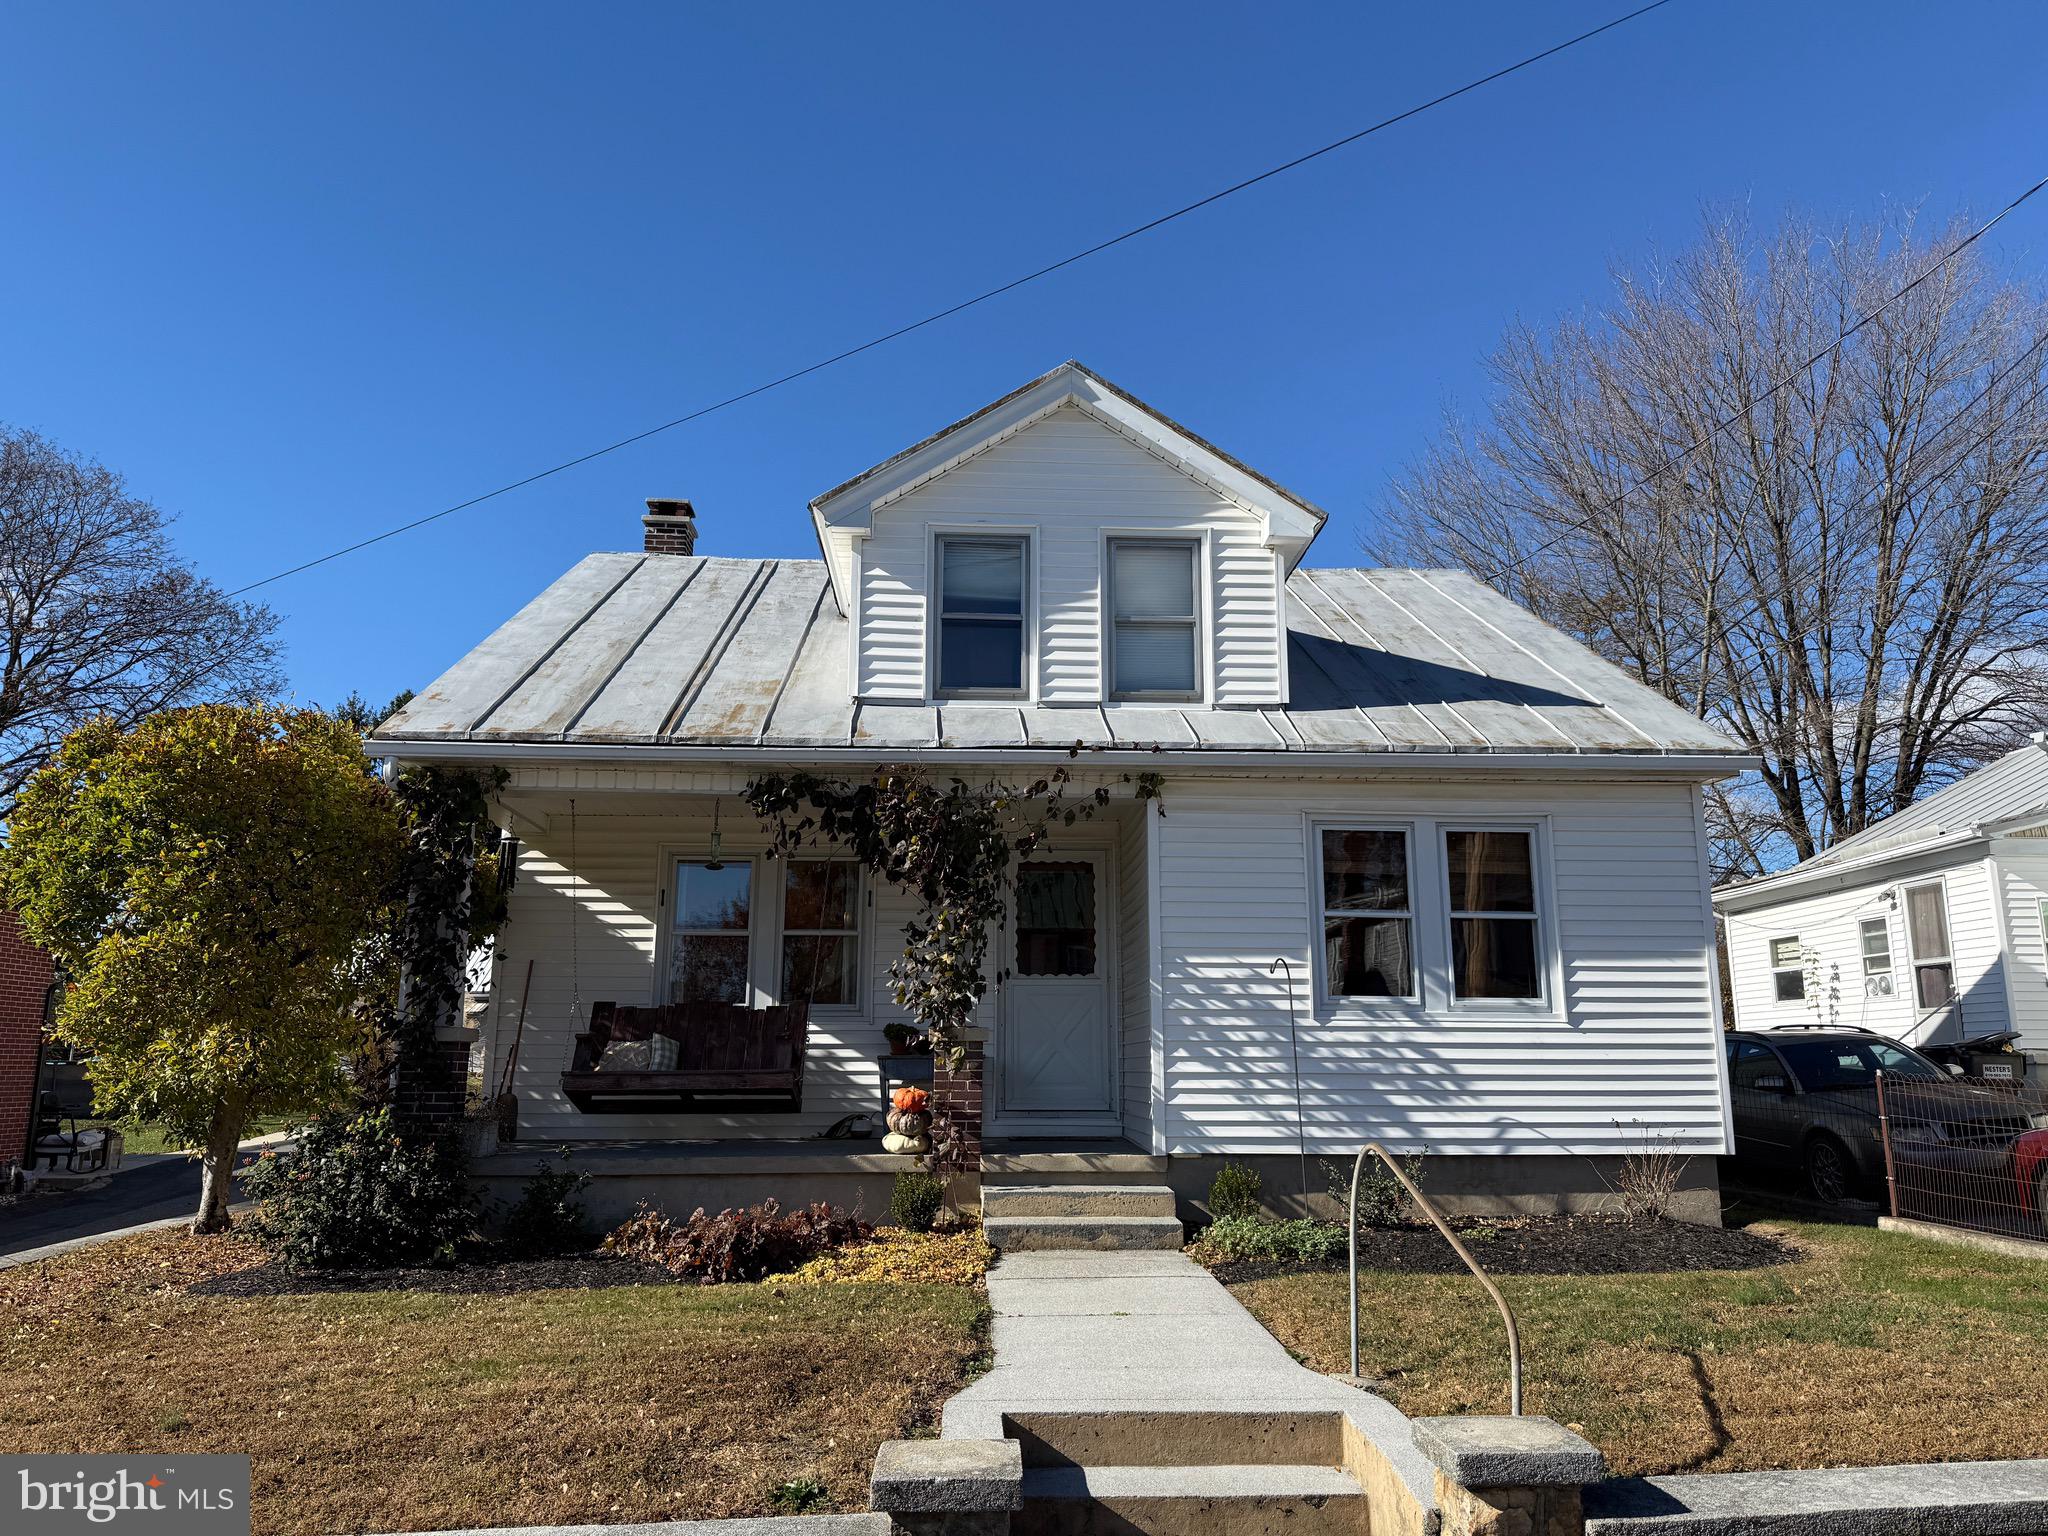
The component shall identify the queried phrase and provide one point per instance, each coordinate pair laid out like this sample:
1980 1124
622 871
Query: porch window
981 617
1495 951
1788 970
711 934
1153 619
821 932
1368 922
1934 967
1874 934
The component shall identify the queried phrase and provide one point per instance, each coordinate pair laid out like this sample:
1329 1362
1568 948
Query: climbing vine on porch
951 844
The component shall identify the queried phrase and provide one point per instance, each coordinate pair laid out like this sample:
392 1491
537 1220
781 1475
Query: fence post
1884 1136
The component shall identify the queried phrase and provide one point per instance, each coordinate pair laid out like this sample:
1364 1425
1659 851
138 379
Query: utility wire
980 298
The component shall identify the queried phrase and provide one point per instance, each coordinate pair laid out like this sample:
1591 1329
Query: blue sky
302 273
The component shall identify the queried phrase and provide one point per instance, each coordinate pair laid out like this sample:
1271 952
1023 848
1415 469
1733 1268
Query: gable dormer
1067 545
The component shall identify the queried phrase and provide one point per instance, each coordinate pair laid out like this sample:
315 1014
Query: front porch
678 1176
641 891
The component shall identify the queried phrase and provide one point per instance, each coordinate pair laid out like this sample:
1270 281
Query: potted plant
906 1040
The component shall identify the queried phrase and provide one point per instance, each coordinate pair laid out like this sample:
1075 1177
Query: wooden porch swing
692 1055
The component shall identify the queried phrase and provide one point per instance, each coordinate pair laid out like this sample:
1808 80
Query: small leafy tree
207 879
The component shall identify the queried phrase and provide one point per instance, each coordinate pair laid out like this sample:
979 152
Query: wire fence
1967 1151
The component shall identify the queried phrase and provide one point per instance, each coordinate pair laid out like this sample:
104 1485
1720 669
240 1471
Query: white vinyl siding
2023 877
1633 1043
1830 928
1068 479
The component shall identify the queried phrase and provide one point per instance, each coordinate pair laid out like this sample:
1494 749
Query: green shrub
1300 1241
915 1202
1235 1191
735 1244
547 1218
356 1192
1382 1202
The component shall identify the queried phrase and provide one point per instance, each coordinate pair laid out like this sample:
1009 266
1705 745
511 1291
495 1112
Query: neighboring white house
1417 845
1926 927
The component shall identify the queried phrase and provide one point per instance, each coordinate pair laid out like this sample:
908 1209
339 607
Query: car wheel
1830 1175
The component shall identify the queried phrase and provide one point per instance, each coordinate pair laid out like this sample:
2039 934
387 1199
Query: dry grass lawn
413 1410
1874 1348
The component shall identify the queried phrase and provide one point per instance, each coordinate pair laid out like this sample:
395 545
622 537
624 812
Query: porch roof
633 650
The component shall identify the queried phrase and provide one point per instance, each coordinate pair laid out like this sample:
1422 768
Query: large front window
1368 927
981 617
1494 949
711 933
1153 622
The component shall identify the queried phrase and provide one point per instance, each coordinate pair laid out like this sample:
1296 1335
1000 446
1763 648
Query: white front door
1056 1058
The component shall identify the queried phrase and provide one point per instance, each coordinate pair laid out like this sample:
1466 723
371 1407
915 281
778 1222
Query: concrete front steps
1186 1474
1020 1214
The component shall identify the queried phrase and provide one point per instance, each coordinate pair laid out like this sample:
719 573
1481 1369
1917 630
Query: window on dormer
1153 619
981 617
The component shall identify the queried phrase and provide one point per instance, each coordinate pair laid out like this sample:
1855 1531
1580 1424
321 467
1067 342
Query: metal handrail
1436 1219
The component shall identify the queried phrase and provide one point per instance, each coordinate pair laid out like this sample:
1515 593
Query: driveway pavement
144 1189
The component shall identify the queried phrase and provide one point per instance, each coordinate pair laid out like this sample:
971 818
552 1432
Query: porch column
957 1092
437 1092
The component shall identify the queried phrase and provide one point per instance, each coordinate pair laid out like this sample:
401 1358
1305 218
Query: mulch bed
1548 1245
507 1277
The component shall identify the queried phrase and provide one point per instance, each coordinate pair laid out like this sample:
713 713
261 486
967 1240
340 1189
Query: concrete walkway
1079 1332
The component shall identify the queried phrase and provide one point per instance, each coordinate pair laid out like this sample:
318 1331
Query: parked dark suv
1805 1101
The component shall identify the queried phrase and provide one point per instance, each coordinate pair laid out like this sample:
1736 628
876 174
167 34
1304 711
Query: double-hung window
821 932
1496 951
1874 935
1368 922
981 626
1154 642
1934 967
711 932
1788 969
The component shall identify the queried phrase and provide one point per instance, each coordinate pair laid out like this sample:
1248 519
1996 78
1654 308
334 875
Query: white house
1423 869
1926 927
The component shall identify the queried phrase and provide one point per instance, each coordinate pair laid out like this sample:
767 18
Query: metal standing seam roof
2012 788
630 649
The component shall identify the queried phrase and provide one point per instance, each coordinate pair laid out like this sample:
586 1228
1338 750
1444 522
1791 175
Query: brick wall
436 1096
958 1094
25 976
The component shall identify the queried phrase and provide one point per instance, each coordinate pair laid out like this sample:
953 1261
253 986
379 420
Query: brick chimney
670 526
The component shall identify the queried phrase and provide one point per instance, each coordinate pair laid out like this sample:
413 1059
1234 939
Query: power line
965 304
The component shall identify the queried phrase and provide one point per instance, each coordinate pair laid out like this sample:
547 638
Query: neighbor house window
1494 948
821 932
1788 970
1934 968
710 936
1153 622
1875 936
1368 919
981 616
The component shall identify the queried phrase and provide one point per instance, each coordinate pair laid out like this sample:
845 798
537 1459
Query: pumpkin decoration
910 1121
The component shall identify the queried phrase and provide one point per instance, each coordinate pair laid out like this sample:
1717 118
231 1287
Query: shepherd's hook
1294 1053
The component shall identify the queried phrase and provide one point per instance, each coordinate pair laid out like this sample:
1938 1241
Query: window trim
1798 971
1417 962
1542 913
667 932
857 1008
1915 961
1429 873
1197 549
1027 661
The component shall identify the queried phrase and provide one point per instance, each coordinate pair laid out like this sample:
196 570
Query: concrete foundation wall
1460 1186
